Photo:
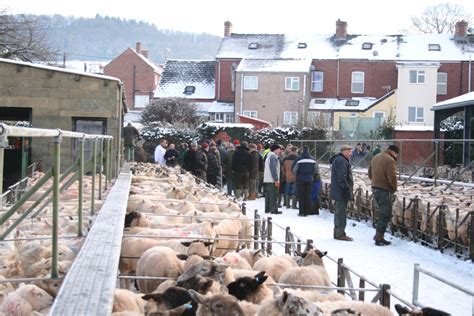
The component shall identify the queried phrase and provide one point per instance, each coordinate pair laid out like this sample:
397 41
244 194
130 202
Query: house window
352 102
415 115
434 47
317 81
302 45
357 82
229 118
367 46
380 115
219 117
253 45
250 82
250 114
290 118
442 87
292 83
188 90
142 101
417 76
353 114
232 77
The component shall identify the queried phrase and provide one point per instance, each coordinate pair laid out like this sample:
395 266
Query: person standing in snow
201 162
383 175
227 167
341 190
160 151
253 171
171 156
306 170
214 167
290 187
130 135
241 170
271 178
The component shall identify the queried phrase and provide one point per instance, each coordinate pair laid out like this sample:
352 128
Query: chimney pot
460 28
227 28
341 29
138 47
144 52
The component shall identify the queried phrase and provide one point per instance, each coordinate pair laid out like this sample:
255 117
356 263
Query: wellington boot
287 201
238 194
279 200
294 202
252 196
379 240
245 194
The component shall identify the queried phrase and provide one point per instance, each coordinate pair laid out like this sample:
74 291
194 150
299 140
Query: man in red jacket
383 174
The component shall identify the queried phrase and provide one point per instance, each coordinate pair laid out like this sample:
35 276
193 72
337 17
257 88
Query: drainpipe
219 80
242 93
337 79
469 73
304 99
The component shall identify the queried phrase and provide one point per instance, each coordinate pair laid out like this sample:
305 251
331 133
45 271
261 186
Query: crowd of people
285 176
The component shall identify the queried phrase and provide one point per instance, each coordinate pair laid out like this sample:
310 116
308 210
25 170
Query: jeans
340 218
129 153
290 188
383 199
271 195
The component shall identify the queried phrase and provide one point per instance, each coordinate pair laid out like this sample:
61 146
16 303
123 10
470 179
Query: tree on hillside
22 37
175 111
441 18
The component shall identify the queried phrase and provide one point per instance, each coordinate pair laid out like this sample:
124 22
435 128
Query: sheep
287 304
251 255
200 277
311 271
366 309
25 300
236 261
125 300
275 266
217 305
171 298
158 262
425 311
316 296
226 229
251 289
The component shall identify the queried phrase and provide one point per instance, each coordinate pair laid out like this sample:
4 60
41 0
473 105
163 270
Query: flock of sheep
186 250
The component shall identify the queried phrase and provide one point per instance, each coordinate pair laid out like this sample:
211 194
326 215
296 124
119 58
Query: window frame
292 83
418 78
290 118
315 82
248 80
360 82
444 84
417 118
250 113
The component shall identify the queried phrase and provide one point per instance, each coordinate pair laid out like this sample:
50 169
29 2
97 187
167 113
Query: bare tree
440 18
176 111
23 37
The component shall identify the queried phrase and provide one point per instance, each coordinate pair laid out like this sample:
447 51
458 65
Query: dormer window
367 46
352 102
188 90
319 101
253 45
302 45
434 47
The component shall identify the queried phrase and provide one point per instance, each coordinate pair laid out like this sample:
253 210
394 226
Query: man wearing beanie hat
383 175
341 190
271 178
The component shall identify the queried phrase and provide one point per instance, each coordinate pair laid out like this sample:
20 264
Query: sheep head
217 304
290 304
244 287
172 298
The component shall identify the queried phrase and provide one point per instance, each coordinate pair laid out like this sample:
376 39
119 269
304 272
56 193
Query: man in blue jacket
306 169
341 190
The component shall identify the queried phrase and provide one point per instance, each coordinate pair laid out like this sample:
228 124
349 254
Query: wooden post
287 240
341 280
362 286
269 236
256 229
384 296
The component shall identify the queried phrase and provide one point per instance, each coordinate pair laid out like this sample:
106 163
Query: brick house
423 69
139 75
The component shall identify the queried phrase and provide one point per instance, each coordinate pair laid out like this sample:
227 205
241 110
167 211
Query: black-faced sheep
251 289
171 298
425 311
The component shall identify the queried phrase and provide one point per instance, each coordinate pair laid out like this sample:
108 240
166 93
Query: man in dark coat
201 162
130 135
383 175
189 158
306 170
213 165
227 165
241 170
253 171
341 190
171 156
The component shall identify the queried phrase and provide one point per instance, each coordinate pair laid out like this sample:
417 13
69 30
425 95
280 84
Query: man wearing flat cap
383 175
271 178
341 190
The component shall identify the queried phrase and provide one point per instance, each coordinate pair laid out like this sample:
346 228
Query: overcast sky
247 16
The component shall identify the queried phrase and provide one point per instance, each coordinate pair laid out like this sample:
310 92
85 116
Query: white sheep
275 266
25 300
366 309
287 304
251 255
125 300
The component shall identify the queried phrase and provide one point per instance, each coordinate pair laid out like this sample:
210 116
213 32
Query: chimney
341 29
145 53
227 28
460 28
138 47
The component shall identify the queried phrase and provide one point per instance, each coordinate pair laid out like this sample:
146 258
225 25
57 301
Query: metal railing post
269 235
287 240
256 228
436 157
101 164
81 186
416 284
400 160
107 166
56 183
341 280
94 169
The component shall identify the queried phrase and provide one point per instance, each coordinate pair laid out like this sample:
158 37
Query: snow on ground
393 264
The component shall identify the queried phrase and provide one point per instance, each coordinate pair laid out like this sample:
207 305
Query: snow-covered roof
415 47
179 74
227 125
417 128
220 107
334 104
274 65
69 71
202 108
459 101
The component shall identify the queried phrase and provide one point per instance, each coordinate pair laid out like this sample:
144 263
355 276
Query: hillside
104 38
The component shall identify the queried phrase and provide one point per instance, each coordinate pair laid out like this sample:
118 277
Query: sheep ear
256 252
182 256
199 298
276 291
282 299
401 310
186 243
154 296
321 253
